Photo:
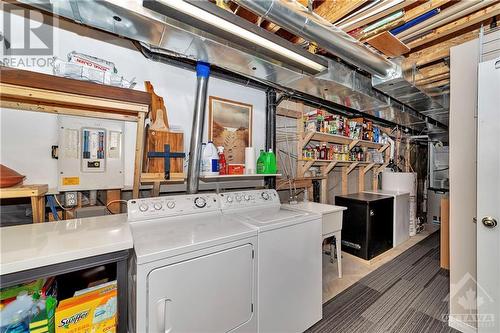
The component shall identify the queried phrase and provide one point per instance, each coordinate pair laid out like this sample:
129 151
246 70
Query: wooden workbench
35 192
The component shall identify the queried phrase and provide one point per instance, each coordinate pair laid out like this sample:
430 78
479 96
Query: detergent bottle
209 160
270 163
222 161
261 162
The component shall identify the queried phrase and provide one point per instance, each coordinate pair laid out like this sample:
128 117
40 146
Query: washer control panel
158 207
230 200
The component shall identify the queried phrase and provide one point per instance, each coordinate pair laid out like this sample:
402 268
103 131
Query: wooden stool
35 192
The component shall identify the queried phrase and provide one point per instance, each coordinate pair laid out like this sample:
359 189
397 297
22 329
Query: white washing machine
193 269
289 259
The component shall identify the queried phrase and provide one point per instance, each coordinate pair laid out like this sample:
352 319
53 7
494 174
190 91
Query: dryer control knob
229 199
246 197
143 207
200 202
265 195
171 205
238 198
158 206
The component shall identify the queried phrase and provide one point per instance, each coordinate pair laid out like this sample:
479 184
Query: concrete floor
354 268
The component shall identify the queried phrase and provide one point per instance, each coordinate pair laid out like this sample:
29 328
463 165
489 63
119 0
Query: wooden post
114 195
361 179
344 180
324 186
38 208
139 152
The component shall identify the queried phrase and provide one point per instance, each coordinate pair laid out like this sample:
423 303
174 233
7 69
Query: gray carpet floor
409 294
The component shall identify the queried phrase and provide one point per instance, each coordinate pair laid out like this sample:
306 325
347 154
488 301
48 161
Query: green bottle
270 163
261 162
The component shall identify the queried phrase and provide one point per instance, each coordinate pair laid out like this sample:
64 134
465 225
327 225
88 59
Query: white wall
462 136
26 137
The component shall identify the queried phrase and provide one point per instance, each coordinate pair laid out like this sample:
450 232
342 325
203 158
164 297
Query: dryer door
211 293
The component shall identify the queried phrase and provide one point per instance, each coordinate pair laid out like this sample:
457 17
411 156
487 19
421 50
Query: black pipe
271 129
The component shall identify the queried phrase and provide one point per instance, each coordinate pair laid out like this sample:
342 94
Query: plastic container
15 316
261 163
209 160
270 163
222 161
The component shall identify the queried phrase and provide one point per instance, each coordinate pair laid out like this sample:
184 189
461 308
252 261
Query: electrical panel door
90 154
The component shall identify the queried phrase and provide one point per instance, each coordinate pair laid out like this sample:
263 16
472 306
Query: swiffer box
91 312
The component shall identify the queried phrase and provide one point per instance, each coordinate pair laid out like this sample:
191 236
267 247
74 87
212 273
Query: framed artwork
230 126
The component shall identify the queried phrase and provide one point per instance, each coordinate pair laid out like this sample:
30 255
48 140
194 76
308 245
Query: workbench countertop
30 246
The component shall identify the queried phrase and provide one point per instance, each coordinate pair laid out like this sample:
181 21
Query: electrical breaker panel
90 154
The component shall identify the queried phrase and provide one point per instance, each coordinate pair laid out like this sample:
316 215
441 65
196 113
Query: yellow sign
68 181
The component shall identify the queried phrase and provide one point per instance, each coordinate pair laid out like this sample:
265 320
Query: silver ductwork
195 152
297 19
165 30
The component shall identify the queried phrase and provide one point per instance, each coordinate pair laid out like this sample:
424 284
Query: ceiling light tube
236 30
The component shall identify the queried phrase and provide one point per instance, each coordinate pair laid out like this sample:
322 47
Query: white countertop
315 207
35 245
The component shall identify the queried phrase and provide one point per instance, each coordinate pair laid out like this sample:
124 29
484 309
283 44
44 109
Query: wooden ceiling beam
462 23
435 84
431 79
423 8
431 71
334 10
438 51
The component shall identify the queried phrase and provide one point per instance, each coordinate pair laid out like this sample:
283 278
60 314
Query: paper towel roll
250 164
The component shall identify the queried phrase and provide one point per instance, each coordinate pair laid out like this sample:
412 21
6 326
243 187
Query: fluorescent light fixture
383 6
236 30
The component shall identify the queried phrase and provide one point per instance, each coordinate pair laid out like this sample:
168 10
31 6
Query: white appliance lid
166 237
274 217
315 207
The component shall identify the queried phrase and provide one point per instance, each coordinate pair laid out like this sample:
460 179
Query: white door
212 293
488 198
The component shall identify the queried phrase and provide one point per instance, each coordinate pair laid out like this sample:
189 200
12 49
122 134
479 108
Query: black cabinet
367 224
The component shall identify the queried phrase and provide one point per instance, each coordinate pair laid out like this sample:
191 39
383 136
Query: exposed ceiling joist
462 23
423 8
435 84
334 10
439 51
433 70
431 79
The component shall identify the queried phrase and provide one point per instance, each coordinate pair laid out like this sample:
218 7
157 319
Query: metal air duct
294 17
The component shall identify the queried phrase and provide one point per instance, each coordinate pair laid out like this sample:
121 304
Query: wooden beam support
383 148
306 138
361 180
462 23
344 180
337 9
432 70
329 168
367 168
438 51
114 196
352 167
435 84
433 79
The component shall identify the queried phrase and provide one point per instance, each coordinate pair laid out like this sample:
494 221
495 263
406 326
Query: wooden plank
361 180
444 248
38 209
344 180
23 191
432 70
388 44
433 79
383 148
324 187
21 93
462 23
435 84
139 152
368 168
329 168
348 26
115 196
47 108
32 79
281 111
352 167
337 9
438 51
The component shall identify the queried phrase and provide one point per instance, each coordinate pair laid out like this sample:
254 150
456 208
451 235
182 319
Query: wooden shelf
338 139
35 192
220 178
339 163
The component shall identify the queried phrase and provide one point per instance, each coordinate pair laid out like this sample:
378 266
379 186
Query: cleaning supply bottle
210 160
261 162
270 163
222 161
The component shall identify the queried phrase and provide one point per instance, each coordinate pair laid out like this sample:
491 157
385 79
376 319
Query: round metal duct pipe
292 16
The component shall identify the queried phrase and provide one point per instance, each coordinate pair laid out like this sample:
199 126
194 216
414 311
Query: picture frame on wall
230 126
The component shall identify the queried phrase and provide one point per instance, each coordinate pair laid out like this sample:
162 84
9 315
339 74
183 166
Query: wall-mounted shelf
337 139
221 178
